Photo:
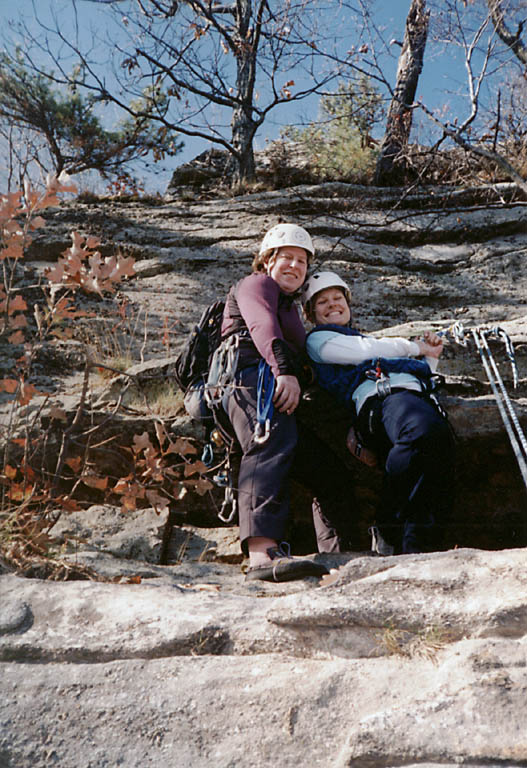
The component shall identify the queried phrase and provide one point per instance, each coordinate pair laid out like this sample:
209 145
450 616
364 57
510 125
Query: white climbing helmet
321 280
287 234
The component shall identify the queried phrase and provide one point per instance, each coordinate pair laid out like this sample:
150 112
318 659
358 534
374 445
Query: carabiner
230 499
383 387
207 457
261 433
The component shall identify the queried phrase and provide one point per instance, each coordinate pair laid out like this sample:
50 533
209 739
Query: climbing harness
503 401
264 402
383 384
221 379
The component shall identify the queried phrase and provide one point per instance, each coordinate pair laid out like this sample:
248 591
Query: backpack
192 364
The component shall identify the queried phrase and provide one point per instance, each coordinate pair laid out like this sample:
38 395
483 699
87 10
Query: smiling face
288 267
330 306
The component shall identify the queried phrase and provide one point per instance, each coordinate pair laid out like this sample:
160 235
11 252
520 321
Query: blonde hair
261 260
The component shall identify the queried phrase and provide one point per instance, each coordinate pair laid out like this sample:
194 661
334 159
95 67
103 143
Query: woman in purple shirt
260 308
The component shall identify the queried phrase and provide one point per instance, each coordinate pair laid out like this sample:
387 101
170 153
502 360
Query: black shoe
284 567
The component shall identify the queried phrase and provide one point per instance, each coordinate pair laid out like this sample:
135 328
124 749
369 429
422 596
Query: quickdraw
264 402
510 353
224 479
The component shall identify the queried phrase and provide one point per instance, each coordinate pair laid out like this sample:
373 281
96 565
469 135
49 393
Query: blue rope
264 400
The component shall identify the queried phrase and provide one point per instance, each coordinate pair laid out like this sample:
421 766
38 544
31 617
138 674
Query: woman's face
288 267
330 306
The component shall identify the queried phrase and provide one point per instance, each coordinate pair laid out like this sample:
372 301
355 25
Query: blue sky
441 78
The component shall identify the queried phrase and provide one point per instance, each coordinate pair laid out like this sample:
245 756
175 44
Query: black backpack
192 364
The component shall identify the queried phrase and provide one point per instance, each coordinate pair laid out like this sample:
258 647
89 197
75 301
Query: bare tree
514 41
479 34
390 167
200 65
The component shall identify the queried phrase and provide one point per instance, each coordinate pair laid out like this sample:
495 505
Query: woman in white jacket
388 392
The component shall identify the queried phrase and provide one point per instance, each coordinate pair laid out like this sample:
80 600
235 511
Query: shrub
339 144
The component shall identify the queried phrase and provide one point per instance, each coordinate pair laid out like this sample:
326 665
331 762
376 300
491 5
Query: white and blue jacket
346 362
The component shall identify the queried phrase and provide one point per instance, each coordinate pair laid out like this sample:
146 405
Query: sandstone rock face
400 661
413 660
424 259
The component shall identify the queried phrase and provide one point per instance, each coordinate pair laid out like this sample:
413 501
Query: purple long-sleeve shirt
272 319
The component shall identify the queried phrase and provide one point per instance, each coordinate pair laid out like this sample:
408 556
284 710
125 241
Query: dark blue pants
415 443
291 451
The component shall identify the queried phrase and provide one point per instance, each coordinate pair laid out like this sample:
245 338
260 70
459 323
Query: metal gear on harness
264 402
229 499
383 386
220 384
382 381
207 457
221 378
215 442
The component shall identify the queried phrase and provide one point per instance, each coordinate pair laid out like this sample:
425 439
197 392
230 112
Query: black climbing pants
291 451
415 444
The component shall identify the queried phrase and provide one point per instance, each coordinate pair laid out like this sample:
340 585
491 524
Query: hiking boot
285 567
378 544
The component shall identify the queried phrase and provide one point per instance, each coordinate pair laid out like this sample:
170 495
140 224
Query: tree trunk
243 130
391 165
242 123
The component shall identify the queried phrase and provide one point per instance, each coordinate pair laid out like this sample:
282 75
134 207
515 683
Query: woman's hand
286 394
432 346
